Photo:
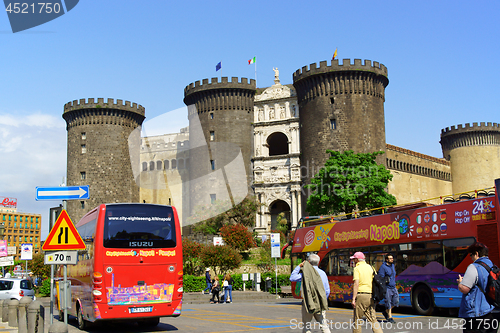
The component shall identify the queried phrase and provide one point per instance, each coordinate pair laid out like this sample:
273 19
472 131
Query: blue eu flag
219 66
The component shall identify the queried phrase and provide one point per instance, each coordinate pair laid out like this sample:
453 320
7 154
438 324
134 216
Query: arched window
158 165
151 166
166 163
174 164
144 166
278 144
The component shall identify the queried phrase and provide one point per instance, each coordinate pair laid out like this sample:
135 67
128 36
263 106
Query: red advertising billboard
8 202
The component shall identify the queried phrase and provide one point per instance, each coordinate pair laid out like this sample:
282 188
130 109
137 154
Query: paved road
269 317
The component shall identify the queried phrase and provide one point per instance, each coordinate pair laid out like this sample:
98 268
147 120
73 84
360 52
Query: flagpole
255 73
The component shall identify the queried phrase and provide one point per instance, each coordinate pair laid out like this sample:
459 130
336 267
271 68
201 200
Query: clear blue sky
441 57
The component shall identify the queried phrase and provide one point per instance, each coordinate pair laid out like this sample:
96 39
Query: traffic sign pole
62 236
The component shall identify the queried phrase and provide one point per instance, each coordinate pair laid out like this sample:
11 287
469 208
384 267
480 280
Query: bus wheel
423 301
82 324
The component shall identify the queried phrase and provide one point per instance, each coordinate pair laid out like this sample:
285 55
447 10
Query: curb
5 328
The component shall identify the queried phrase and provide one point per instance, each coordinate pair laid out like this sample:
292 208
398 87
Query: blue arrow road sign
62 193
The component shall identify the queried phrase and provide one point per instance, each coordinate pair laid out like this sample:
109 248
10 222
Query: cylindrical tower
341 108
474 155
220 129
98 151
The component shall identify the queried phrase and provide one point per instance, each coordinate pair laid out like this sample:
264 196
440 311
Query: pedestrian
215 290
362 300
208 280
228 289
474 307
388 270
315 290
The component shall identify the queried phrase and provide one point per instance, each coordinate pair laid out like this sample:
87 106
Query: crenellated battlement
469 135
483 126
110 104
346 65
223 83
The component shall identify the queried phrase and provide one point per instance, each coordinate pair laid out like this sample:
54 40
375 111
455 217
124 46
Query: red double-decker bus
132 266
429 244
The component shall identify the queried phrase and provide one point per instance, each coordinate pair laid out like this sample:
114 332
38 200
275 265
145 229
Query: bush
237 236
221 258
193 283
45 288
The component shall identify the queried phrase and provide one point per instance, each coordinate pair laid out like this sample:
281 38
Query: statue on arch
276 75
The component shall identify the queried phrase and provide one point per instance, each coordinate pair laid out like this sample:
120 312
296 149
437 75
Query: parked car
16 288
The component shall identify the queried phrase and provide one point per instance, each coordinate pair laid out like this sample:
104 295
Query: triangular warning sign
63 235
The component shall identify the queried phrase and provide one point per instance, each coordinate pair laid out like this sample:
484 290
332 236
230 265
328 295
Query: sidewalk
5 328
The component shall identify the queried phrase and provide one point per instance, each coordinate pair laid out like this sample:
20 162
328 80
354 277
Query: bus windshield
127 226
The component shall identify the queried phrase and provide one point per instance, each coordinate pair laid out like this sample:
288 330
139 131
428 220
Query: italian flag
251 61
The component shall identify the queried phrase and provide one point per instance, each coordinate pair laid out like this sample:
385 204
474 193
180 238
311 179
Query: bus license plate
141 309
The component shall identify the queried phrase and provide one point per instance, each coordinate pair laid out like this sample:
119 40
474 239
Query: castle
267 142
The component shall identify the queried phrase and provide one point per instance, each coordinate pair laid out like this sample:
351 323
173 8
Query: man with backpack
362 300
474 307
388 271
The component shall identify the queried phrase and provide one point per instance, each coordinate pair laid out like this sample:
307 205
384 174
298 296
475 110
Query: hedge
197 283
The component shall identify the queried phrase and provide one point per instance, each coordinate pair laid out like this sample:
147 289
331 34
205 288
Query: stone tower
474 155
220 129
98 151
341 108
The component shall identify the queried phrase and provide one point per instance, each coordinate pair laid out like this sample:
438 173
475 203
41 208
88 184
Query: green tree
265 260
191 257
242 213
349 182
282 223
38 267
237 236
221 258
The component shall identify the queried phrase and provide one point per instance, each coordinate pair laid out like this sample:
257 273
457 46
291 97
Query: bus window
126 227
344 264
421 255
329 264
455 250
377 255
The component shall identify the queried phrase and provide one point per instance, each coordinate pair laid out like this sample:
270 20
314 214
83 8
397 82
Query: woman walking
228 289
215 290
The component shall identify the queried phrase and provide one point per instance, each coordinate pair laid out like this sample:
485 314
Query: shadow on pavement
120 326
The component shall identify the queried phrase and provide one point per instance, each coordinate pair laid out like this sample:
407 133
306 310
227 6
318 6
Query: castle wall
474 167
417 176
98 152
474 155
165 171
221 136
341 108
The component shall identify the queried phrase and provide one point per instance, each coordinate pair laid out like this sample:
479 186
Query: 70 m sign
61 258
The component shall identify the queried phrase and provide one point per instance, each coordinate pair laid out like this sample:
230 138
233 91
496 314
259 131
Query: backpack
492 290
379 287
